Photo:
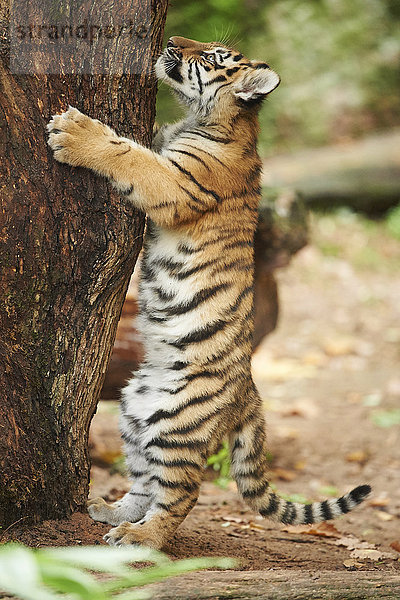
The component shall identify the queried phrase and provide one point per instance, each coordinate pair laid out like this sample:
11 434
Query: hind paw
99 510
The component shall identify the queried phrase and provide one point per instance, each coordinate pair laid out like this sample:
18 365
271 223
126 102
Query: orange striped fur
200 187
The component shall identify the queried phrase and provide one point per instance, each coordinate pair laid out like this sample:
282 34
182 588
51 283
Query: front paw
75 138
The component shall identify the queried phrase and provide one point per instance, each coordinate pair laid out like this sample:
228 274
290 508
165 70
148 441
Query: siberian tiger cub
200 187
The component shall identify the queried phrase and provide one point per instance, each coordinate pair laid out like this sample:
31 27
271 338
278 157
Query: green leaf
68 580
20 574
106 559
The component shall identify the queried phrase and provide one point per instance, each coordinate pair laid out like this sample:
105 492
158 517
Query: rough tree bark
68 245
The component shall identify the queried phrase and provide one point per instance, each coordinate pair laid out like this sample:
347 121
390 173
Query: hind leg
177 455
134 505
249 465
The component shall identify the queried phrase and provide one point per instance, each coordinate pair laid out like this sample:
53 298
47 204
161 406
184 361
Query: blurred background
338 60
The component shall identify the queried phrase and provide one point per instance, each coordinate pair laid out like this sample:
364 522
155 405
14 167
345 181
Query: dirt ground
330 380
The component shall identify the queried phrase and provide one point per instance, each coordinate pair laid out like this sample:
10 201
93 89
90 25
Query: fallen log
361 174
280 585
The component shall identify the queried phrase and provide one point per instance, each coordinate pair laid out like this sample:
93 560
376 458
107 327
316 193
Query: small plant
393 222
221 463
63 573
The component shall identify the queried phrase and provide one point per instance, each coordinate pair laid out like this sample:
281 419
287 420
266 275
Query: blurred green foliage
338 60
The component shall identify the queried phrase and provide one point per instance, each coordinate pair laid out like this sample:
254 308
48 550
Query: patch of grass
329 249
119 466
393 222
63 573
295 498
386 418
329 490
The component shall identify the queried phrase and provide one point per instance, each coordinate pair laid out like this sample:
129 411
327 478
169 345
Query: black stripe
205 152
162 294
255 172
192 196
179 365
193 376
233 307
122 153
308 514
139 494
197 299
237 57
196 269
359 493
169 414
172 504
192 426
186 249
289 514
172 444
172 464
256 474
342 503
233 70
215 80
175 391
196 66
137 473
326 510
210 137
195 208
160 205
237 445
239 244
194 180
199 335
258 491
228 349
200 160
239 264
272 507
174 485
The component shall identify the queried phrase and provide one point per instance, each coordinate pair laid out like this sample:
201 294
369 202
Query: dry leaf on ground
384 516
284 474
302 407
353 543
382 501
371 554
352 564
395 546
358 456
321 529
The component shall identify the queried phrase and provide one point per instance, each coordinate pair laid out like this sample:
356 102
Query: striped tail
249 468
281 510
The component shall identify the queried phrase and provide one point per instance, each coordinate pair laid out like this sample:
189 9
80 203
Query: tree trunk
68 245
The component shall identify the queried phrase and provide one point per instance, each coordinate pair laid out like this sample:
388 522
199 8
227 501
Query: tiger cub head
210 76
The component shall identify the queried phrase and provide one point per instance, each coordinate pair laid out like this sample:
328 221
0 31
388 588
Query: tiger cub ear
256 83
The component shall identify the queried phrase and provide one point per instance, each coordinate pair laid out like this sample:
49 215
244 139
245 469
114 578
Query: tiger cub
200 187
